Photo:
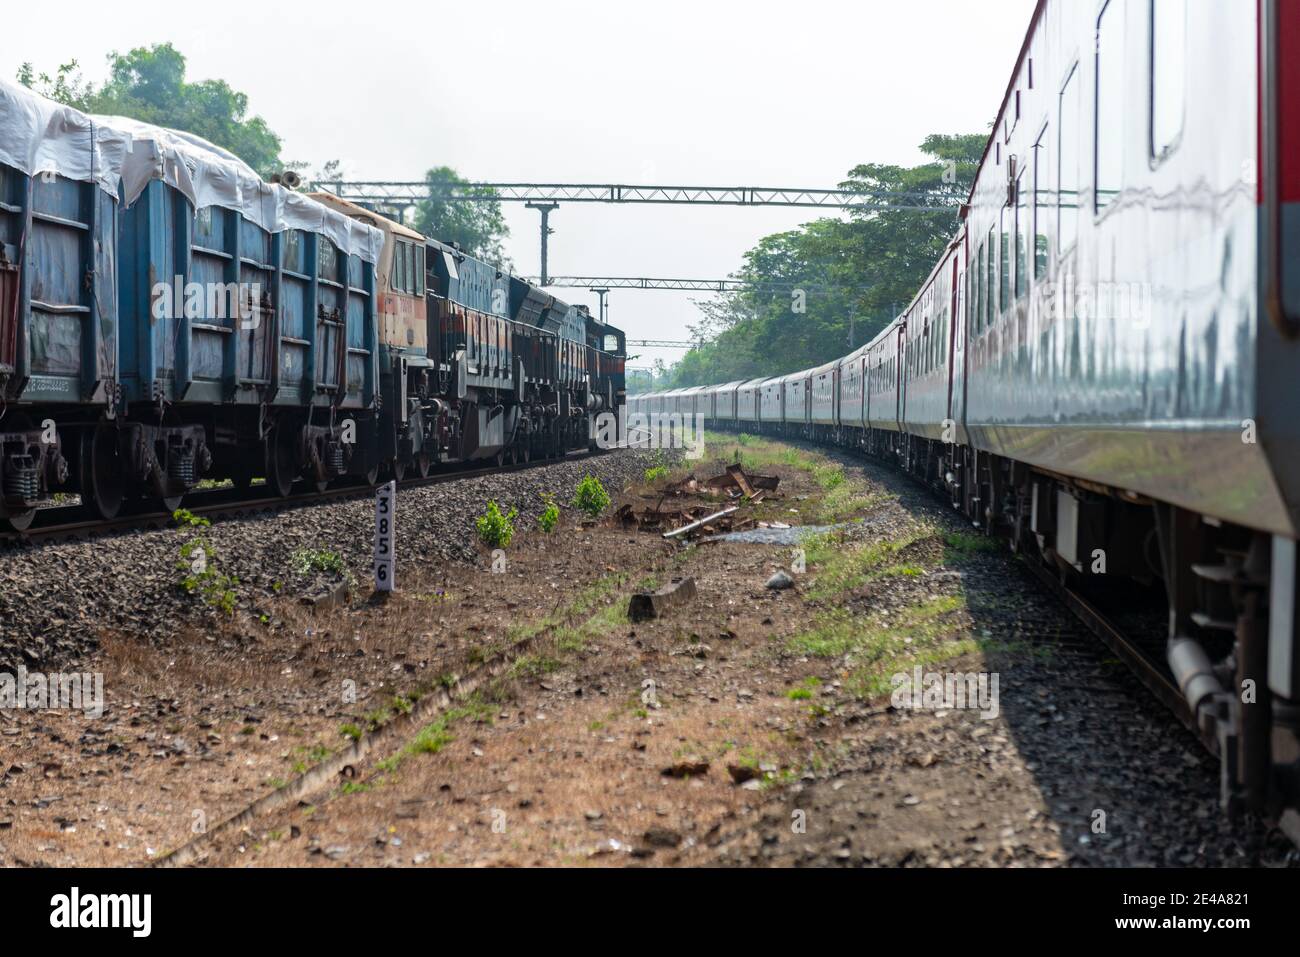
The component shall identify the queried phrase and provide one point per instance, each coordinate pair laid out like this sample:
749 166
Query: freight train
1102 367
167 317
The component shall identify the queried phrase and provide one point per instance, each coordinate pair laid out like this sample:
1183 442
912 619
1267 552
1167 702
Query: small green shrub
187 519
591 496
655 473
308 561
197 563
550 516
495 528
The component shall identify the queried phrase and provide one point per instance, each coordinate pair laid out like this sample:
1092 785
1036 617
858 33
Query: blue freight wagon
248 326
58 303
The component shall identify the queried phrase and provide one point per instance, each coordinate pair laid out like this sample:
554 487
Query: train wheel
527 453
18 521
103 485
424 464
397 468
281 459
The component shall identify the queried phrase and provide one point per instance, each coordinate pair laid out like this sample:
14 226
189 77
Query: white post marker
385 536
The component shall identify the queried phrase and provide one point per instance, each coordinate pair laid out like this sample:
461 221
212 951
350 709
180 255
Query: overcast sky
707 93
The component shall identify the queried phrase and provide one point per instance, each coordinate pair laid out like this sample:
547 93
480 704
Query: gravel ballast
57 599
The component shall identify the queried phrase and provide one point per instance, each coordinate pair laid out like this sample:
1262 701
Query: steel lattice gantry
400 194
595 283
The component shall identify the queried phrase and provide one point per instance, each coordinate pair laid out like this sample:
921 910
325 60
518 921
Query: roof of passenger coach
856 353
830 366
934 273
1010 92
729 386
752 383
885 333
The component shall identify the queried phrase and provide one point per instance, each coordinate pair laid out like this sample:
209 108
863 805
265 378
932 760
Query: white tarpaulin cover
123 156
40 136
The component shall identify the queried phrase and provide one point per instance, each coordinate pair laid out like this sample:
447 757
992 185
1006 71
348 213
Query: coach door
956 337
900 371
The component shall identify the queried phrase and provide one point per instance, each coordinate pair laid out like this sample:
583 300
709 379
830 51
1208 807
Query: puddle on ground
780 536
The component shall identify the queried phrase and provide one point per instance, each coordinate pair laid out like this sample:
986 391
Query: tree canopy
149 84
820 291
478 227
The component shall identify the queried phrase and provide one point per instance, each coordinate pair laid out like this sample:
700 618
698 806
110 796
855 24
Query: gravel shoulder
205 711
750 726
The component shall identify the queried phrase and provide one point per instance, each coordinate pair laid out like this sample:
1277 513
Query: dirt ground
750 725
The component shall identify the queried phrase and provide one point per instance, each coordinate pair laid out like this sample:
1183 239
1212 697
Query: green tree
148 84
66 86
479 227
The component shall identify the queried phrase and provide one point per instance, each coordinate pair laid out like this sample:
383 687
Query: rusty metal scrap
737 478
734 485
702 523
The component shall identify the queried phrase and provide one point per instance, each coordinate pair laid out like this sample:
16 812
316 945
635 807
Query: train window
397 280
1067 164
419 270
1168 74
977 280
990 277
449 261
1042 194
1109 158
1022 239
942 347
1004 264
408 253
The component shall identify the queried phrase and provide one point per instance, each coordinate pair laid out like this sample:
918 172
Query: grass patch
848 500
876 649
962 544
843 566
437 734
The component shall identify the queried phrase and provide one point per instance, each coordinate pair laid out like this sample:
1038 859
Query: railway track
1132 650
1140 654
71 523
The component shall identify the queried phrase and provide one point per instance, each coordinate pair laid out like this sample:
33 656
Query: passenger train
1102 368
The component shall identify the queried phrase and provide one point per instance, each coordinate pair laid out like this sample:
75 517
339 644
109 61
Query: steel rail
233 506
